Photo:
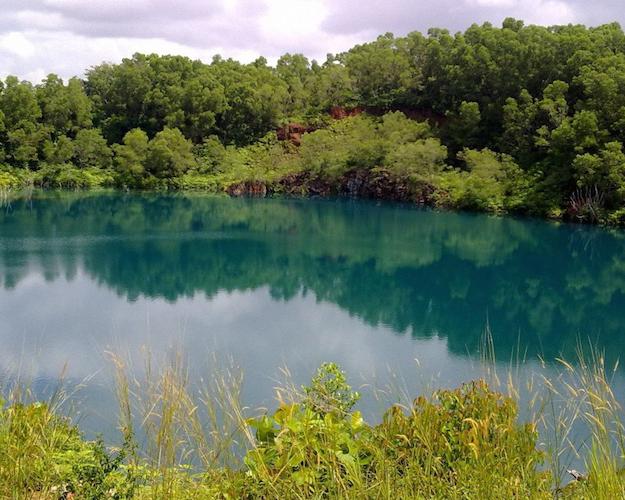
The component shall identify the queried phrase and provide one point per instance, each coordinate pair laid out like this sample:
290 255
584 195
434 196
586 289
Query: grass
183 440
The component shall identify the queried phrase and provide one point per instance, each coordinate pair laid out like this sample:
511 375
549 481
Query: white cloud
543 12
68 36
292 19
17 44
549 12
35 54
493 3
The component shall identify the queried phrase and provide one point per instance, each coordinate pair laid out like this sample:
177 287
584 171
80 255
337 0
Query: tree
398 129
24 144
131 156
605 171
91 150
19 103
66 109
24 134
463 130
169 154
381 71
331 85
256 100
294 70
59 151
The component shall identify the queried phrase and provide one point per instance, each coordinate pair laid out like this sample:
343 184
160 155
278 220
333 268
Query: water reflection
297 282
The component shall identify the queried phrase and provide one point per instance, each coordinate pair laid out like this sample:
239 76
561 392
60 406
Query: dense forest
523 119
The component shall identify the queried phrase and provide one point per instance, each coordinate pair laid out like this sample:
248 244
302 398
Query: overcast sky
66 37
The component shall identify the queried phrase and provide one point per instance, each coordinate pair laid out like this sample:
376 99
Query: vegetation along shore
180 440
522 119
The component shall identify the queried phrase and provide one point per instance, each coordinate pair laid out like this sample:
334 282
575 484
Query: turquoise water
395 294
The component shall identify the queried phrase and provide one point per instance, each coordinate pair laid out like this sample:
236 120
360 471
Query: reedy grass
186 440
185 428
580 397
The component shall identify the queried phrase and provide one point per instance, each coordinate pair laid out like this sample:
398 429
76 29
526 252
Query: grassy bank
180 442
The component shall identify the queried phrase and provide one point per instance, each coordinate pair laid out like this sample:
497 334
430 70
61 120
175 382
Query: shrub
464 443
41 453
489 182
68 176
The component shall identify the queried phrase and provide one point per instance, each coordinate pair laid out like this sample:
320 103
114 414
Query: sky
66 37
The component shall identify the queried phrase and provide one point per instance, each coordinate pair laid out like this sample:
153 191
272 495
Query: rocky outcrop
376 184
257 189
305 184
340 112
380 184
293 132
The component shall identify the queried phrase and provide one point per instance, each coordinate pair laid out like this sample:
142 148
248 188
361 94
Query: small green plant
316 447
329 391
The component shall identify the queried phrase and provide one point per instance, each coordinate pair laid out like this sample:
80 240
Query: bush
68 176
8 181
423 160
491 182
464 443
42 454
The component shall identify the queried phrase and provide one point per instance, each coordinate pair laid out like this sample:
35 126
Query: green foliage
151 92
267 160
329 392
210 154
65 108
60 151
398 129
489 181
364 143
67 176
8 181
464 443
91 150
169 154
332 86
551 98
423 160
18 103
382 72
130 158
463 130
605 170
256 99
14 178
309 453
44 454
461 443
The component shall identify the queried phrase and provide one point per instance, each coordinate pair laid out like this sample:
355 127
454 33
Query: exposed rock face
293 132
379 185
382 185
340 112
304 184
255 189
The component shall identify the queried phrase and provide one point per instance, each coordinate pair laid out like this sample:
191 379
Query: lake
396 295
